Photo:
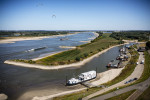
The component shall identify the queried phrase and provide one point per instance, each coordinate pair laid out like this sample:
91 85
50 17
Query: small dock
87 84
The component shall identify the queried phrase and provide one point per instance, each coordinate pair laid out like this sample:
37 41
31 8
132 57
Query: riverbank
15 39
59 66
102 77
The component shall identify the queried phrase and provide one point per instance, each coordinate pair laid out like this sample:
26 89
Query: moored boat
86 76
113 64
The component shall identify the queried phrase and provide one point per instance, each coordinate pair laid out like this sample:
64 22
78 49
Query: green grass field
123 96
145 95
81 52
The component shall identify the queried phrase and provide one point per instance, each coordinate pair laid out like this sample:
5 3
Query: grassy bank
145 95
81 52
145 76
146 73
123 96
77 95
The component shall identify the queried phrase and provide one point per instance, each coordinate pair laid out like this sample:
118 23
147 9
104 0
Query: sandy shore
96 34
13 40
104 77
71 47
86 41
59 66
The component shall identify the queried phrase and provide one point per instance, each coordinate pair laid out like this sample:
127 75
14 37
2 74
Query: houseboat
122 50
36 49
122 57
113 64
62 39
86 76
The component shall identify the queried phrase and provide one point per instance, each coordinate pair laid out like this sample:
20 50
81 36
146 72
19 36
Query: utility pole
66 79
96 71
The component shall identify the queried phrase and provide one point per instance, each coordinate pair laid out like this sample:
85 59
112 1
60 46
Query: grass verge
145 95
123 96
77 95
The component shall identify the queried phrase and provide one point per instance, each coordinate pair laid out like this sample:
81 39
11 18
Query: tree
148 45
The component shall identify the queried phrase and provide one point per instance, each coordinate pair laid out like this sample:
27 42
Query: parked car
131 80
142 62
135 78
137 63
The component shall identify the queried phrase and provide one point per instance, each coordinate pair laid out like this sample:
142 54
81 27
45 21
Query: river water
14 80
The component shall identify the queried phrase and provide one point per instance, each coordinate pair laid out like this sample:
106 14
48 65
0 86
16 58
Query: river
15 81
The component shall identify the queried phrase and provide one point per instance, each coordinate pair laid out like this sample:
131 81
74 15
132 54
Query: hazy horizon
56 15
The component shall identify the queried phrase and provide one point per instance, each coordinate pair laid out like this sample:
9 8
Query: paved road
136 73
140 88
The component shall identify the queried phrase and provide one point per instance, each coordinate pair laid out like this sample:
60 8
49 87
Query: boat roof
114 62
85 73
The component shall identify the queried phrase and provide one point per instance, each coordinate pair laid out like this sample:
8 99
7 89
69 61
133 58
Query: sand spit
59 66
86 41
72 47
107 76
55 95
96 34
13 40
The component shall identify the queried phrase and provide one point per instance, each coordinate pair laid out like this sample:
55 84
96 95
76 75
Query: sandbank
15 39
72 47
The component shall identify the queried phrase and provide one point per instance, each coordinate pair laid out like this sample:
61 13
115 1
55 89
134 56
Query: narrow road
141 87
136 73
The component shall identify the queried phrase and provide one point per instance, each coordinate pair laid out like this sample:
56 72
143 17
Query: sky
74 14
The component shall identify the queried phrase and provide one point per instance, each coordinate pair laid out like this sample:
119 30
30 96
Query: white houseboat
82 78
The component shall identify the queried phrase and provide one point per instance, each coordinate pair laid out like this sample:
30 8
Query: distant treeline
31 33
138 35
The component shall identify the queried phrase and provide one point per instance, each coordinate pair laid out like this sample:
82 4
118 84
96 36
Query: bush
148 45
31 62
77 59
86 54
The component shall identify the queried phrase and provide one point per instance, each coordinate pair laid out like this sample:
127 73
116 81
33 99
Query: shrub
77 59
85 54
31 62
148 45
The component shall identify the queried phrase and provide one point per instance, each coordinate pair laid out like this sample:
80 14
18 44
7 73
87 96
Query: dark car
131 80
135 78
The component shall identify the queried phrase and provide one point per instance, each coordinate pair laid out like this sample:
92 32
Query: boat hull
67 84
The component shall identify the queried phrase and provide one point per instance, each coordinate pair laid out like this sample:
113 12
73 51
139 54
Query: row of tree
30 33
138 35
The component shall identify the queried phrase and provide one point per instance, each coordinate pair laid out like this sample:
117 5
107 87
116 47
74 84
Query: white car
142 62
137 63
